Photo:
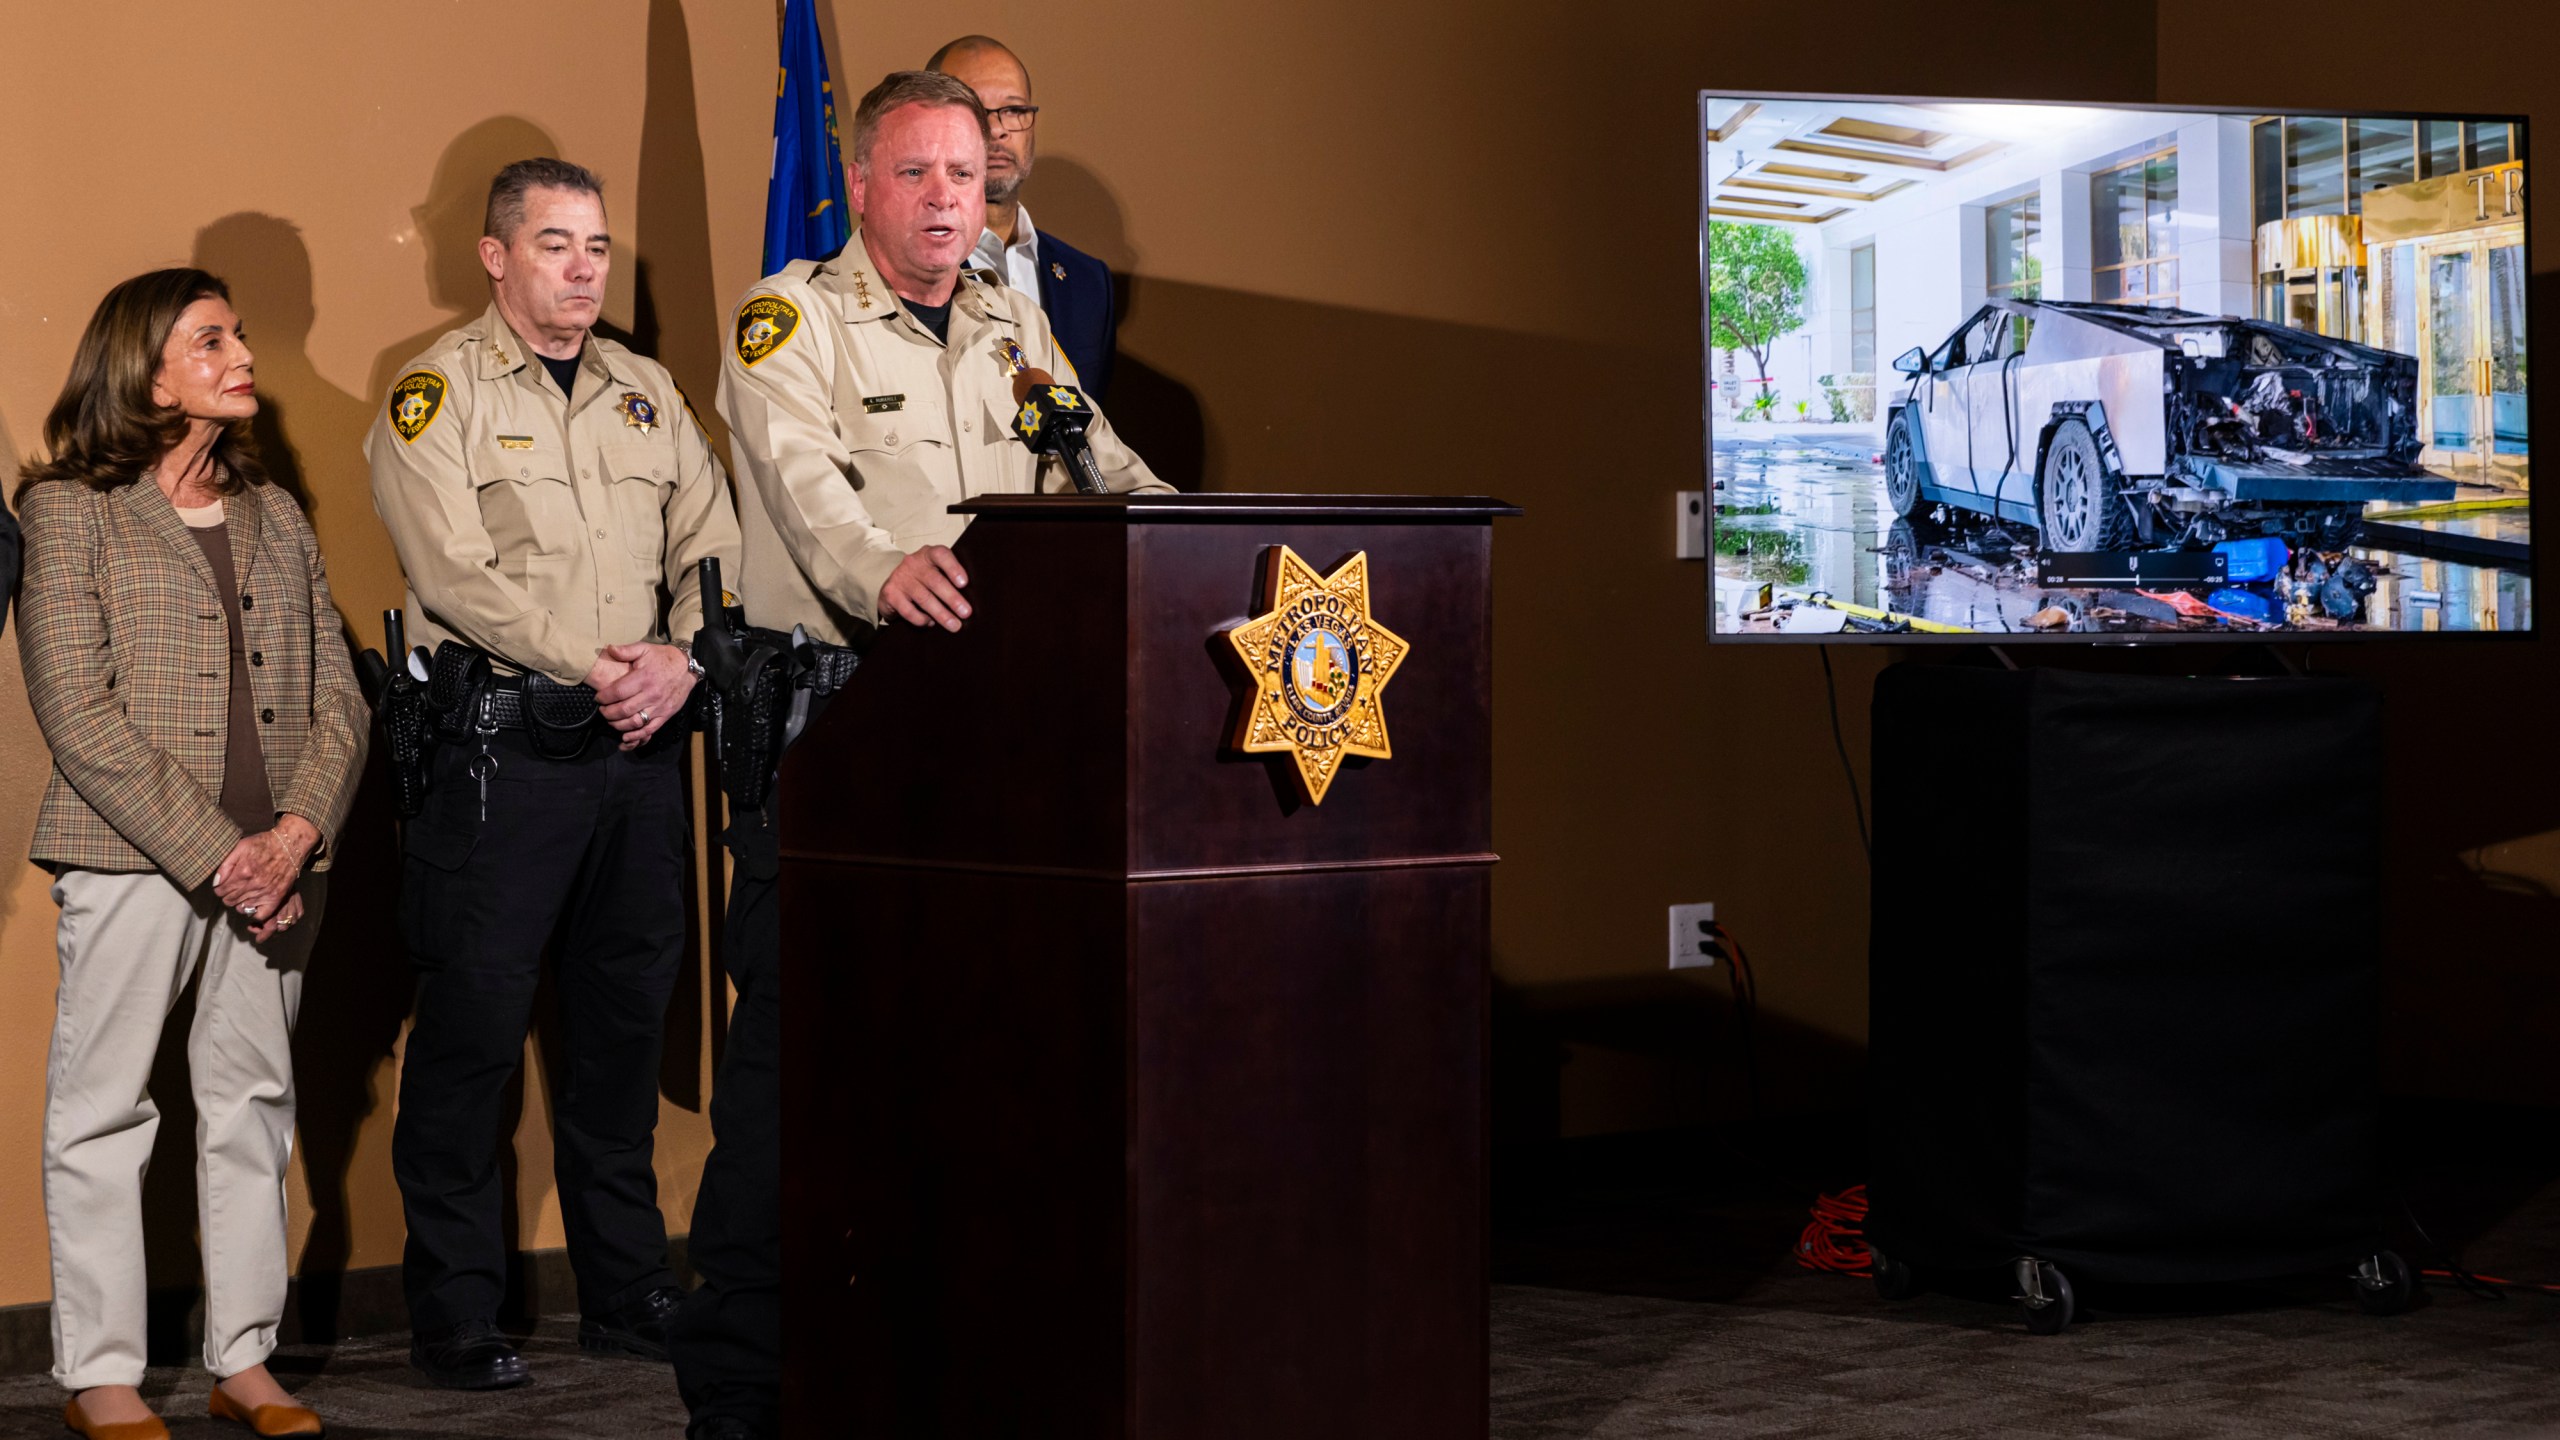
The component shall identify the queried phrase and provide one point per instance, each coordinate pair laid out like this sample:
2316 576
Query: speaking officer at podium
550 496
867 393
871 391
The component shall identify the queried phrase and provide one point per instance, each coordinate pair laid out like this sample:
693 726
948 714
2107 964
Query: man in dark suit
1072 286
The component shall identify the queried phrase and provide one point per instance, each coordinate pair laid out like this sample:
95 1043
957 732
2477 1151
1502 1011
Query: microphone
1053 421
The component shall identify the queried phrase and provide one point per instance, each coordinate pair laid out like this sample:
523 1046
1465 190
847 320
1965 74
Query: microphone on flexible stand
1053 421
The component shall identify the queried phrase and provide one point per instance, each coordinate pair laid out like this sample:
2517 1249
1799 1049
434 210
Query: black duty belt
464 698
536 701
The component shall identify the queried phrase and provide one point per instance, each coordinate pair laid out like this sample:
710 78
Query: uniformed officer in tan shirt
549 494
869 392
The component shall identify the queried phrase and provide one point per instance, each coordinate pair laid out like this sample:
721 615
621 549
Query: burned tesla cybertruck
2115 428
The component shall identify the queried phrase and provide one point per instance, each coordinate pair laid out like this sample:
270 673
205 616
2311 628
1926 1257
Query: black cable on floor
1857 802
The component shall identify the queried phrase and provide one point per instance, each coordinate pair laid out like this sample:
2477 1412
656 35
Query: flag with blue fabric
804 206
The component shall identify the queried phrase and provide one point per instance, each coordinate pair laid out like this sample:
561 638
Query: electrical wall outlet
1689 936
1692 519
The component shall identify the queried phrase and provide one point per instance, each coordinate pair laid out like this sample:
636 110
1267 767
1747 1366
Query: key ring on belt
484 764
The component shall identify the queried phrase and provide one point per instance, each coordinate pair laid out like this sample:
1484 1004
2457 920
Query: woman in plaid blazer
184 662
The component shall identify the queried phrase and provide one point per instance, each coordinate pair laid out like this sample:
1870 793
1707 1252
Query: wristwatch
692 666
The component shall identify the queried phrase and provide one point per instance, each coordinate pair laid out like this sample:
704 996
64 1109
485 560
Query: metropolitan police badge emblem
1320 665
764 323
414 403
638 413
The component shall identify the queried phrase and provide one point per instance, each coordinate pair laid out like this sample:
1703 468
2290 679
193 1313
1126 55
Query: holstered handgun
397 688
760 683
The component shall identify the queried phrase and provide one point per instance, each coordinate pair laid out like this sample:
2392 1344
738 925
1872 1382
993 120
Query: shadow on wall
447 224
24 762
677 315
303 420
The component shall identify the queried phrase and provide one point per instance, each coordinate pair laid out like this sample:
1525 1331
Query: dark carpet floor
1644 1286
366 1391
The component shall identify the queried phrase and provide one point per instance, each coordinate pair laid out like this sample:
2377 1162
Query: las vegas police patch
764 323
414 403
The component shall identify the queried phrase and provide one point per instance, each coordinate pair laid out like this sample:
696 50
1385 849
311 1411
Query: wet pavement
1801 516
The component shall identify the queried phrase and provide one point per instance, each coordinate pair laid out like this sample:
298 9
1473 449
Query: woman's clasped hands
260 875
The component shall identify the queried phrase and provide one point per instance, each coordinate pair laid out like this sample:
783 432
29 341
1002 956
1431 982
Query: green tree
1755 289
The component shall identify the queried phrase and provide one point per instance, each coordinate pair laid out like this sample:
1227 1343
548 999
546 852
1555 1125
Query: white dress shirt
1017 264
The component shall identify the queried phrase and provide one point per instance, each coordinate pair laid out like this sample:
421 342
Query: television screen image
1992 369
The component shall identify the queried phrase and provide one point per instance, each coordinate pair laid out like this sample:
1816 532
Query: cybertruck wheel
1902 465
2076 499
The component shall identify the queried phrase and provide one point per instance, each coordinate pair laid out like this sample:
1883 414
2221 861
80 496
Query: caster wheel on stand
1894 1280
2383 1284
2044 1296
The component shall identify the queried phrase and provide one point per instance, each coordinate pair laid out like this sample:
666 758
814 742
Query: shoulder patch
765 324
415 402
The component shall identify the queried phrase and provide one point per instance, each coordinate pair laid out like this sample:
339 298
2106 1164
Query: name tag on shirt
882 404
515 442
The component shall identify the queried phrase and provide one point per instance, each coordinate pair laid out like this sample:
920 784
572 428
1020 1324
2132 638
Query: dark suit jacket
1075 289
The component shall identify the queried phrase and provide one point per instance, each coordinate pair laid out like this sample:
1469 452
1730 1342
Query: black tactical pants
583 858
727 1341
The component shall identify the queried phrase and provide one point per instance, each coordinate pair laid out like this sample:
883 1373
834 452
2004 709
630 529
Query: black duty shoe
471 1356
639 1328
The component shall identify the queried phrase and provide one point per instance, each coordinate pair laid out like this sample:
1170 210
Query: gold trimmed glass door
2471 362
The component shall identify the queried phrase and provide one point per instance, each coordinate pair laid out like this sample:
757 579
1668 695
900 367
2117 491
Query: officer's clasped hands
652 686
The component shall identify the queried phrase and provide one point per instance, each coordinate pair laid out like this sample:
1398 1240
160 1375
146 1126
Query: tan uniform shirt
856 431
538 528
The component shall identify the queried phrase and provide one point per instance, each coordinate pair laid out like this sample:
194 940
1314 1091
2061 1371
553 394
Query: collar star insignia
862 289
1320 663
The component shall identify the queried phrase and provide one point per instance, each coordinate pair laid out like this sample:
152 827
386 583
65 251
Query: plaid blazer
128 667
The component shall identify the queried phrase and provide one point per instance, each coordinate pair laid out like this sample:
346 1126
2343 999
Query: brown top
246 797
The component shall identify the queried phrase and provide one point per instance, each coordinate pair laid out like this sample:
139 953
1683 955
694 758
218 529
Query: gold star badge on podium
1320 665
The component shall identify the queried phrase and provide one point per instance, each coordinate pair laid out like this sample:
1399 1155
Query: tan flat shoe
265 1419
81 1424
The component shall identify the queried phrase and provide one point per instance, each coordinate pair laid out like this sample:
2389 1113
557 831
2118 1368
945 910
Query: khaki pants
128 945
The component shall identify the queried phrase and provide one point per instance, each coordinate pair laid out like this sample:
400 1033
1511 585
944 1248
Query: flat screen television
1998 370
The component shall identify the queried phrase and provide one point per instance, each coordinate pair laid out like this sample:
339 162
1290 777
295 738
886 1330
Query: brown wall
329 160
1439 246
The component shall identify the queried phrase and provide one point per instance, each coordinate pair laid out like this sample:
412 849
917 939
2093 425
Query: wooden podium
1129 1094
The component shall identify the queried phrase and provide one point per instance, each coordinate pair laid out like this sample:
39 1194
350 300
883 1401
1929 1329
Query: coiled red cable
1835 1239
